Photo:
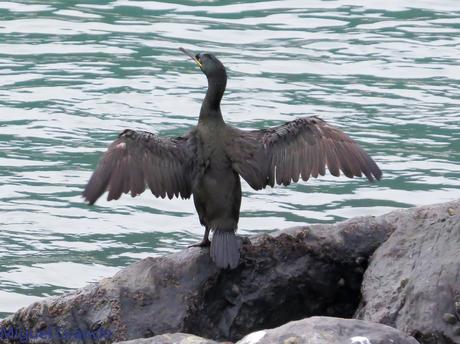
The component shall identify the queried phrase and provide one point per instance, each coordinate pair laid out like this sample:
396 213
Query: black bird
208 161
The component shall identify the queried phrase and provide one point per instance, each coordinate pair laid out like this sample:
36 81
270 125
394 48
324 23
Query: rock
413 280
290 275
171 338
328 330
293 274
314 330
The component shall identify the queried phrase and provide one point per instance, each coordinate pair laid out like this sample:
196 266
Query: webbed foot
202 243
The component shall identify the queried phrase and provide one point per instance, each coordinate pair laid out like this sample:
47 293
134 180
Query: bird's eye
198 56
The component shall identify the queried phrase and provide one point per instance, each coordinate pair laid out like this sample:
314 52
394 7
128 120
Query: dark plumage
208 161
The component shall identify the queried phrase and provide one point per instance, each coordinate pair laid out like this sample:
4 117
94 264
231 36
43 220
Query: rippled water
73 75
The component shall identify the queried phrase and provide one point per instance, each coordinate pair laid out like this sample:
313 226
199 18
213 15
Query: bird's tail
225 249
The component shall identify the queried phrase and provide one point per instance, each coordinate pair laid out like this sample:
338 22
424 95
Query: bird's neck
210 109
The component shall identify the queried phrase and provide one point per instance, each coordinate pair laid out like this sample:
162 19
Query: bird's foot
202 243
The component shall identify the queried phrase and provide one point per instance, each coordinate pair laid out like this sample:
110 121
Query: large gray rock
413 280
328 330
294 274
291 275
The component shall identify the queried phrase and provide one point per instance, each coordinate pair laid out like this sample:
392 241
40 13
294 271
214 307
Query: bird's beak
190 54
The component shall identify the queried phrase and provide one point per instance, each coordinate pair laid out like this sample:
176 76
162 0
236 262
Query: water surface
74 74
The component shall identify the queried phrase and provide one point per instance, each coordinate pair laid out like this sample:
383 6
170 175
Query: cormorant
208 161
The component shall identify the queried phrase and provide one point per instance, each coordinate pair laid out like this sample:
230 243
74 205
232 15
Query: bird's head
208 63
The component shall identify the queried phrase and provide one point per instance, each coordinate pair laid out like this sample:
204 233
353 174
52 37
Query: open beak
190 54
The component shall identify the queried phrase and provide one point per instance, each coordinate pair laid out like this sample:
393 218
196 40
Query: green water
75 74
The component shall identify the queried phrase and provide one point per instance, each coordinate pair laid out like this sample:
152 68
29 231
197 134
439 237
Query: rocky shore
365 280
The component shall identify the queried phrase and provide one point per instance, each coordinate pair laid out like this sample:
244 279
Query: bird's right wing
139 158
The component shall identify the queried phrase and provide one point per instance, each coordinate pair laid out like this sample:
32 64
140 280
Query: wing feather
306 163
332 159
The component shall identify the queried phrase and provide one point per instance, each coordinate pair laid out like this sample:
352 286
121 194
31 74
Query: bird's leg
205 242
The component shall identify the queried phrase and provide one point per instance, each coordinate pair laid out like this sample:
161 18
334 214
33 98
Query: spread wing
301 148
138 159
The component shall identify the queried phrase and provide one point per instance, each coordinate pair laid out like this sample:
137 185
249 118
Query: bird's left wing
301 148
139 158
